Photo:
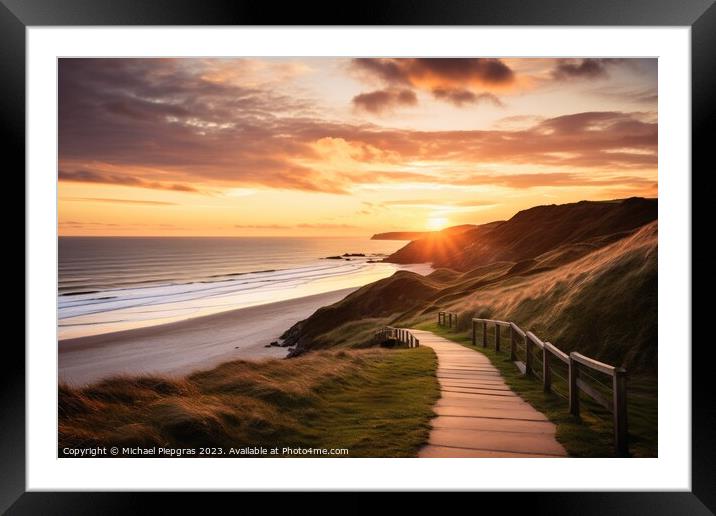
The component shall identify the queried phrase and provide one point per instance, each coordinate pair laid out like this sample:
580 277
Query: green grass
385 410
592 434
375 403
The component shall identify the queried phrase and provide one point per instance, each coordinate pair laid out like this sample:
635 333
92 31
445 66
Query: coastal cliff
582 274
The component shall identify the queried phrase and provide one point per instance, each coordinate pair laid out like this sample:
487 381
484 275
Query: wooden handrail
518 330
492 321
450 322
400 334
564 357
574 362
535 339
593 364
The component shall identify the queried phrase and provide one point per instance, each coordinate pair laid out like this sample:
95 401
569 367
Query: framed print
421 249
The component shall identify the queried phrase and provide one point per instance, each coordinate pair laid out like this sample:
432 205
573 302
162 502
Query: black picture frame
700 15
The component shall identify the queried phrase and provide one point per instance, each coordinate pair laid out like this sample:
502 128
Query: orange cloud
429 73
119 201
459 81
589 68
160 124
92 176
381 101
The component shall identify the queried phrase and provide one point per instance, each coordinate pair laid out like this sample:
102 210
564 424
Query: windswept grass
599 299
375 403
592 434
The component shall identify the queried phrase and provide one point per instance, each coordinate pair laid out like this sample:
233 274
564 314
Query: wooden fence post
546 371
528 356
513 343
497 337
474 332
573 388
484 334
621 435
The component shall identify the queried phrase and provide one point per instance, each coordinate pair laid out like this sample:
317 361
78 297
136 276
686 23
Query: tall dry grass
236 403
375 403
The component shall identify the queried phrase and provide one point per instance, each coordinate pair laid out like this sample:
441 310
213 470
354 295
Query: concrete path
478 415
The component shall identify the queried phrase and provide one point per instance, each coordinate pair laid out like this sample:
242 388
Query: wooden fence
578 366
448 319
398 334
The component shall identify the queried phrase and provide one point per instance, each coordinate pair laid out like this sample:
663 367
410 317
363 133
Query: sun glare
437 223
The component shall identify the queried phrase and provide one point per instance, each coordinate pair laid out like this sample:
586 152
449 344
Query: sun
437 223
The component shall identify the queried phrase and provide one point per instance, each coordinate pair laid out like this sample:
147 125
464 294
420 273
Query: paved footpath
477 414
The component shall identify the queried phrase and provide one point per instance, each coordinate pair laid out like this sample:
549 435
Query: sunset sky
340 146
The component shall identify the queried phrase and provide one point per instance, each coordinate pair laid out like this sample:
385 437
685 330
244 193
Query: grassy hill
530 233
375 403
582 275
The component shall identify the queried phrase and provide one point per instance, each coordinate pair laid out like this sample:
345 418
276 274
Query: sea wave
111 284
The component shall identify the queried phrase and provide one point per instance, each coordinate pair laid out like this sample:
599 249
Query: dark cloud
606 140
459 81
553 179
438 71
89 176
163 124
647 95
460 97
167 115
380 101
565 69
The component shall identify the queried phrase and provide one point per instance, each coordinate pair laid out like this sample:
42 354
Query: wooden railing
577 365
448 319
398 334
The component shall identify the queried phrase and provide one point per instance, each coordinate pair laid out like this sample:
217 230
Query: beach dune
181 347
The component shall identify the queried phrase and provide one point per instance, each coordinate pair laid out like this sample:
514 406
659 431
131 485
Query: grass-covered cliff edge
581 275
374 403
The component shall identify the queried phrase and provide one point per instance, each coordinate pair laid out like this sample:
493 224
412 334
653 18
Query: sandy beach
184 346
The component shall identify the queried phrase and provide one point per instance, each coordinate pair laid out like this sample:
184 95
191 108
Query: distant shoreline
188 345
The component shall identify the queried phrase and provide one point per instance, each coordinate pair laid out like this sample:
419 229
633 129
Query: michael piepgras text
159 451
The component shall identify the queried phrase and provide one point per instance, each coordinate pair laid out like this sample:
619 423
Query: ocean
118 283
